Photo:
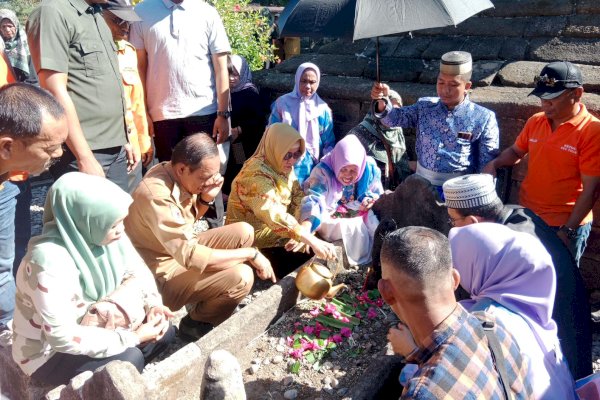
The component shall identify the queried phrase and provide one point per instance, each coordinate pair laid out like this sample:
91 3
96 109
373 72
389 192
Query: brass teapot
315 281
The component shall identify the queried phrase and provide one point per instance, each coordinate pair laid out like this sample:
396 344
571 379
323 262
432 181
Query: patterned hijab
16 49
241 66
275 143
304 110
80 210
513 269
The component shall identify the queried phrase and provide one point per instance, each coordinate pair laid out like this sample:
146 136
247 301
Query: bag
123 308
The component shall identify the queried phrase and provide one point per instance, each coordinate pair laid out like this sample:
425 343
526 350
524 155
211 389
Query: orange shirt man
563 143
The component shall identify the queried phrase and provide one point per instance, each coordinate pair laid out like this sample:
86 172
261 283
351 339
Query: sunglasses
295 155
551 82
120 22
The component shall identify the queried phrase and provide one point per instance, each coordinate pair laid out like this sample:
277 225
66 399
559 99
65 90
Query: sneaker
191 330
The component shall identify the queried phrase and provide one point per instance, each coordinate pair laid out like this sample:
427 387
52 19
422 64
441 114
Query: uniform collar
178 193
170 5
82 7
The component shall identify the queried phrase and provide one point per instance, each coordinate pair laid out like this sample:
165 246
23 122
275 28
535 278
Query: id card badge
465 135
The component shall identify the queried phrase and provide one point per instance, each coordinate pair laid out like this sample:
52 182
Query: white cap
469 191
456 63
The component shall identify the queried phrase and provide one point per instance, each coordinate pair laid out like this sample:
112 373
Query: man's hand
133 157
490 168
153 329
263 267
212 187
401 340
147 157
89 165
379 91
221 130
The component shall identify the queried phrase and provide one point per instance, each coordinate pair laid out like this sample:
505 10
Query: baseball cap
555 78
122 9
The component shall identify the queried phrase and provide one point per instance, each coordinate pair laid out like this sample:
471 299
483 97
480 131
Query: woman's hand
401 340
153 329
263 267
366 204
160 311
295 246
321 248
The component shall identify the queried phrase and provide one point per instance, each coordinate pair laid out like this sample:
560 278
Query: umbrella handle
377 74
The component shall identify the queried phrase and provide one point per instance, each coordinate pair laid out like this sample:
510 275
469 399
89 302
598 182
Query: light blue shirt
461 140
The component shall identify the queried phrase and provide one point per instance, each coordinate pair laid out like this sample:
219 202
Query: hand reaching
401 340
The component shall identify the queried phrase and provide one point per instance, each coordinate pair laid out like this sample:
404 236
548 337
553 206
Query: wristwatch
224 114
570 232
206 203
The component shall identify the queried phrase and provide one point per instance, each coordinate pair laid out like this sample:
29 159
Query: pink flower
336 315
329 309
358 315
297 353
346 332
341 209
372 313
315 312
345 319
309 330
379 302
289 340
237 8
336 339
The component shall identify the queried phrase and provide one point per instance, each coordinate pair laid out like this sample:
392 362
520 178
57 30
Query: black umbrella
358 19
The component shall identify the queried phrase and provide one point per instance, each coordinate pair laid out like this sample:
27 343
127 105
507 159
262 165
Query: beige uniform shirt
161 225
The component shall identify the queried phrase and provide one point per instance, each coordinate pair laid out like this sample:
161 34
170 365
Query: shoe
191 330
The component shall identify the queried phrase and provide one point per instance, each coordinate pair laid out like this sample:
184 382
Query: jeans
8 203
578 244
113 161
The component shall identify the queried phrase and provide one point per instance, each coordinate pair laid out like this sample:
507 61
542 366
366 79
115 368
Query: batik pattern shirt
322 200
455 363
326 140
462 140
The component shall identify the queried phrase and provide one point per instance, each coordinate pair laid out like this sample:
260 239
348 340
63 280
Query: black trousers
169 132
62 367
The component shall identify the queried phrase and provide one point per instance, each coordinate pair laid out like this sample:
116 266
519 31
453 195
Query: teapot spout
334 291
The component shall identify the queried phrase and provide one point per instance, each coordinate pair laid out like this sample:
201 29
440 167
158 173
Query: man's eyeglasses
117 20
295 155
550 82
453 221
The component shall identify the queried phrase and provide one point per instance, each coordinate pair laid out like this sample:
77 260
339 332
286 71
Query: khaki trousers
216 291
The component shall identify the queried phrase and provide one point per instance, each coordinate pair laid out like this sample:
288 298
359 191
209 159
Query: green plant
248 30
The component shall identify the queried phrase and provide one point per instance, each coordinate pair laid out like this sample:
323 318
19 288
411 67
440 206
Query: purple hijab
241 66
348 151
513 269
305 111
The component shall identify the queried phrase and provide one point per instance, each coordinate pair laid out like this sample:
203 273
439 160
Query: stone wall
510 44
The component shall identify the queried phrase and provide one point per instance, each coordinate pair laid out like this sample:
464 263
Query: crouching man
446 342
205 269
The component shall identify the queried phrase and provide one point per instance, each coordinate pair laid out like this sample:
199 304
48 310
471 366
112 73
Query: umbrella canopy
359 19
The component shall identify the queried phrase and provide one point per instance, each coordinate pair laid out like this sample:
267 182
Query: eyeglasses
295 155
453 221
117 20
551 82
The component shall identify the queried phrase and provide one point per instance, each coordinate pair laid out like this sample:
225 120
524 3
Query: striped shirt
456 363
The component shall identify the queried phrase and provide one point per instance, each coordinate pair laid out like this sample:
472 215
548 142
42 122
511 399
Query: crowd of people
164 131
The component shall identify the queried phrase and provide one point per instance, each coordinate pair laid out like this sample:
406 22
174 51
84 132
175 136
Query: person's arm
56 83
489 143
369 185
509 157
583 204
142 58
313 208
275 115
221 127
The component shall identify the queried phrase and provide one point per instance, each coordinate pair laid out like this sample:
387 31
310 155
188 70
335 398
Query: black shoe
191 330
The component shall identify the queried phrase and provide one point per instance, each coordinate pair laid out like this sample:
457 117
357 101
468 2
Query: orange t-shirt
556 162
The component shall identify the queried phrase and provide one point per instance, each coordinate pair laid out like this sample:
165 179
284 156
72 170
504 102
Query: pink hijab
303 112
348 151
512 268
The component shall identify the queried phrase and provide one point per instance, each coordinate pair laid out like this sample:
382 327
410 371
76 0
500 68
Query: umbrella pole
377 59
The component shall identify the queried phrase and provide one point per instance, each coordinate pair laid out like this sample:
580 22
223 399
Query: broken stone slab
585 51
583 26
14 383
526 8
521 74
222 378
545 26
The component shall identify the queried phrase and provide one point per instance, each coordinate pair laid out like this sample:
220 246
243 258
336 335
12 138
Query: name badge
465 135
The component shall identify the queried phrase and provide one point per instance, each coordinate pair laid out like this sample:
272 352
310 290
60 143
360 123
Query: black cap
122 9
555 78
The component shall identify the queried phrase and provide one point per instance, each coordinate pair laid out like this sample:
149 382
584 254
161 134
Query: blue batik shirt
461 140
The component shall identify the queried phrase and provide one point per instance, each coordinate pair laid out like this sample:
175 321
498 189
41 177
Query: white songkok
456 63
469 191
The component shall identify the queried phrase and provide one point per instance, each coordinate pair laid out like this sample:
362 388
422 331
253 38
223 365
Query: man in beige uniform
205 269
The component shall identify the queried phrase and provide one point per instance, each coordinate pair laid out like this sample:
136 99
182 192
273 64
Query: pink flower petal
346 332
